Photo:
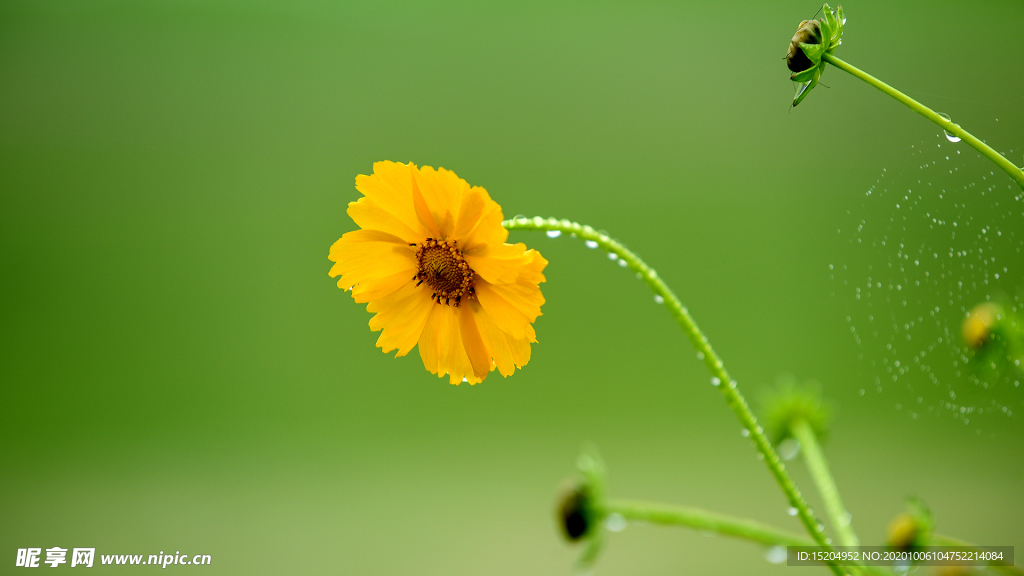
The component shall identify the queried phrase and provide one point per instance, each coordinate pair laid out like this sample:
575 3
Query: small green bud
790 401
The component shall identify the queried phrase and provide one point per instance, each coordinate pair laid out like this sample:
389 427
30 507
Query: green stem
703 520
720 377
698 519
941 540
818 467
1016 173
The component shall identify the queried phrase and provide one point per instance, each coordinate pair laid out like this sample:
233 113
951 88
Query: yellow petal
508 353
497 263
532 271
371 260
381 287
504 314
525 298
456 361
428 344
442 349
443 193
477 353
401 318
496 341
423 213
387 203
487 230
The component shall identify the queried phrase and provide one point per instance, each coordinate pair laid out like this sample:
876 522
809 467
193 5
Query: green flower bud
580 509
813 38
791 401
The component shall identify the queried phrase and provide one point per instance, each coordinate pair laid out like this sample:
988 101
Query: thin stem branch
699 519
941 540
722 524
720 377
1009 167
822 477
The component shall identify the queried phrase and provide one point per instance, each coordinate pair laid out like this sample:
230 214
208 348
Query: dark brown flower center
443 268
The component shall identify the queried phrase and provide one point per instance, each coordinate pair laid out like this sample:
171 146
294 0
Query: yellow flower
432 263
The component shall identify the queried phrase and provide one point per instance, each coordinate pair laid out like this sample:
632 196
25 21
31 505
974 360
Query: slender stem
699 519
1016 173
941 540
720 377
818 466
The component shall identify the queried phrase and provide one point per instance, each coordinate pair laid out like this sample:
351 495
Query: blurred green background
179 372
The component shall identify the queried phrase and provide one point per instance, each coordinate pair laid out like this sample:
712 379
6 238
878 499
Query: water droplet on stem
949 136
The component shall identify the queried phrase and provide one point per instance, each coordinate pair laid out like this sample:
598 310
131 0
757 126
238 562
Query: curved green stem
720 377
722 524
699 519
941 540
818 467
1016 173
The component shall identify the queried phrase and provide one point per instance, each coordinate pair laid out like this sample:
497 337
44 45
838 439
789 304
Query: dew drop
591 244
775 554
789 448
622 262
715 381
613 256
744 432
949 136
658 299
792 511
700 355
615 522
554 233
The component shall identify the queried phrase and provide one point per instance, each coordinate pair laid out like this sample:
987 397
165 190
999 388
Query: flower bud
789 402
809 32
978 326
575 512
911 529
813 39
902 532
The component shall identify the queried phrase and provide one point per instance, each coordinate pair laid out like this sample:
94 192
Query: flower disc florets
443 268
